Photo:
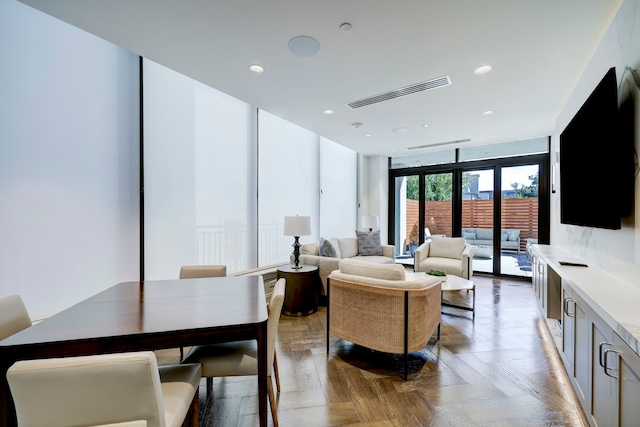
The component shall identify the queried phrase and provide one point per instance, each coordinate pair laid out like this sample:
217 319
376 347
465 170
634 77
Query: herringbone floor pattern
499 370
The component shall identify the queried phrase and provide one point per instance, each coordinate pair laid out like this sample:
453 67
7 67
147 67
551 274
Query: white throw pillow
348 247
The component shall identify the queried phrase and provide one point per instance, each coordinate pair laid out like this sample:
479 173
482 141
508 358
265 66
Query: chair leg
195 409
181 354
209 386
272 402
275 370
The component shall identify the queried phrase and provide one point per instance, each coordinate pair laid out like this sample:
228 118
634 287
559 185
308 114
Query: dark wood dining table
149 315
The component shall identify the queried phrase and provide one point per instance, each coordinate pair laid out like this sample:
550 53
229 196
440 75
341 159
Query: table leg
262 373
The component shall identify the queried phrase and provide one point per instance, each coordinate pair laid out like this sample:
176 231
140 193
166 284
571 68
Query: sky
519 174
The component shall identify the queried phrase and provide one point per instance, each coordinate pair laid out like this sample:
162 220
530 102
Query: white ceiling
537 48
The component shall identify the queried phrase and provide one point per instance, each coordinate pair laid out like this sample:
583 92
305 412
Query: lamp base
296 253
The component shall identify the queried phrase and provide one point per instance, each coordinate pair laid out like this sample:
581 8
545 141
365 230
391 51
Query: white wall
68 161
616 251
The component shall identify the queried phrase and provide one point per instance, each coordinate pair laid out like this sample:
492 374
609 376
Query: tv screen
591 161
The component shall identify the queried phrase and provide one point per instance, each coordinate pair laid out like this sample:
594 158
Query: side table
302 289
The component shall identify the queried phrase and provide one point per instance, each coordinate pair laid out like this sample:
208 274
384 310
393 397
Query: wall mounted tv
592 156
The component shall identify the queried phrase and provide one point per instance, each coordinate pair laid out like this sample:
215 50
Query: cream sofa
377 306
449 254
345 248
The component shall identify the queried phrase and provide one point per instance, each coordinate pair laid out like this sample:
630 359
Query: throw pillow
504 236
469 236
326 248
512 235
347 247
369 242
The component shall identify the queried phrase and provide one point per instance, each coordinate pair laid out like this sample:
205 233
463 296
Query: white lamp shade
297 226
370 221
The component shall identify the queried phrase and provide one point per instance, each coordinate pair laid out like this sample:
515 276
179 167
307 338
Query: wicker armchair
375 306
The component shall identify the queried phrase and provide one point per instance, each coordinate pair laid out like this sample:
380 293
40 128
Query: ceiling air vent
408 90
439 144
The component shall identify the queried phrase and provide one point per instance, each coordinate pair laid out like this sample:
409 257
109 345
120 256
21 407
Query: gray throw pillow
468 235
326 248
369 242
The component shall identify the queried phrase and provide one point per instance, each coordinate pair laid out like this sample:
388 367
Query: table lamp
297 226
370 222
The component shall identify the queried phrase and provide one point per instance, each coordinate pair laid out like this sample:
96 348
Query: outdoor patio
512 263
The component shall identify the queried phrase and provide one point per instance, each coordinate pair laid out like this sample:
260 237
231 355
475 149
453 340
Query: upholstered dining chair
13 316
200 271
103 390
240 358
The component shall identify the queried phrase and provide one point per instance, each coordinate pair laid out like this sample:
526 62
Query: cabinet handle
566 307
600 352
606 367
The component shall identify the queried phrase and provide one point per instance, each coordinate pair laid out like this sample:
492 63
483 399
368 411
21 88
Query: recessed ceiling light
488 112
328 112
491 136
425 126
367 136
483 70
392 151
345 27
304 46
256 68
400 130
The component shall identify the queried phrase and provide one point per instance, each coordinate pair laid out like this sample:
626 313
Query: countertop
615 301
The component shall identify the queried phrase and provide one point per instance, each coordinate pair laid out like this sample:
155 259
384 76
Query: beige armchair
103 389
375 306
449 254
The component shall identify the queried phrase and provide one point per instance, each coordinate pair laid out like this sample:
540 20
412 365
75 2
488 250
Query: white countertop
615 301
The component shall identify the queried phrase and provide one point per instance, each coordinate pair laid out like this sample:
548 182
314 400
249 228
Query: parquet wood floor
500 370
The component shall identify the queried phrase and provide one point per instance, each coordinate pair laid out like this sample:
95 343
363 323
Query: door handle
606 365
600 352
566 307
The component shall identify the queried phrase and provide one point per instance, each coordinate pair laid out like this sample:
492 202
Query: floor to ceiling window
221 175
495 197
407 212
477 216
519 214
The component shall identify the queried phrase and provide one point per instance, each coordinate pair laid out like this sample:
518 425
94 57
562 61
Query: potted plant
414 238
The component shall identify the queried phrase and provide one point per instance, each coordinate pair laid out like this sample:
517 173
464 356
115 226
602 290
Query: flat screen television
592 161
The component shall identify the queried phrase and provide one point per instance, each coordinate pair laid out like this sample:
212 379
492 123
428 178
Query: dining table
147 315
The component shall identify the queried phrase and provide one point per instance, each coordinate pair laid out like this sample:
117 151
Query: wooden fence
521 214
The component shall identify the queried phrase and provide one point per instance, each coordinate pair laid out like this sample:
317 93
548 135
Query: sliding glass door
438 196
497 205
477 216
519 218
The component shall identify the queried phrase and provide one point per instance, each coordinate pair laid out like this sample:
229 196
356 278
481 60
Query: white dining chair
13 316
240 358
123 388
